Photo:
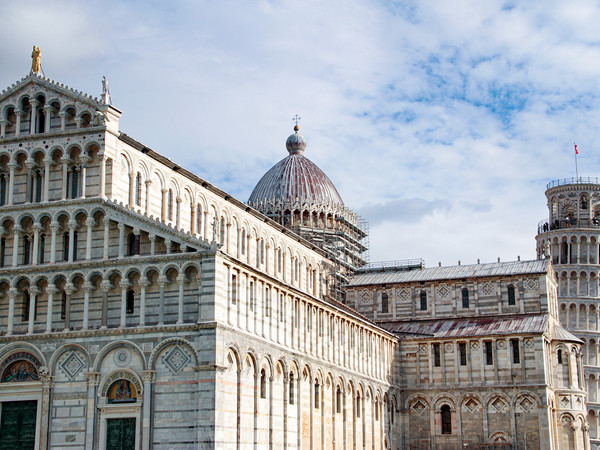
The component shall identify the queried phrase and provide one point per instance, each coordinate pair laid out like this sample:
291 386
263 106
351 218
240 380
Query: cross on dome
296 119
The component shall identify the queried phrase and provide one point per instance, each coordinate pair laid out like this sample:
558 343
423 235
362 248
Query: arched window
25 306
138 189
74 182
2 251
66 246
292 393
423 297
26 250
3 192
170 205
446 420
263 384
262 251
279 262
377 409
317 394
130 301
63 304
75 236
584 202
358 405
465 298
338 400
384 303
559 356
511 295
42 248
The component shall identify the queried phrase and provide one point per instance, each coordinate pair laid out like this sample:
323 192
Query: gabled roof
537 266
52 85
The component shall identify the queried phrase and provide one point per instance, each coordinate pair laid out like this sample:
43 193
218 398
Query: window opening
515 351
384 303
463 353
317 394
263 384
129 303
489 359
465 298
446 420
436 355
423 301
292 394
511 295
138 189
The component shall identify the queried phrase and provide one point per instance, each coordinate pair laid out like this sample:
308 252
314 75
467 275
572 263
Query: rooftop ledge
573 180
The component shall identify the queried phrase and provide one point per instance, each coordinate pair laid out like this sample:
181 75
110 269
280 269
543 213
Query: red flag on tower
576 151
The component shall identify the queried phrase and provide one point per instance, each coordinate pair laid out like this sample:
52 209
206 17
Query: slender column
131 189
53 228
19 115
17 233
105 286
3 123
28 181
47 163
34 104
106 237
50 290
84 161
178 213
193 219
147 199
87 288
205 234
168 245
163 209
63 117
93 380
88 244
227 237
152 238
239 243
36 243
161 306
199 280
47 118
12 293
124 284
72 226
47 385
12 166
102 159
181 281
65 175
69 289
143 284
78 122
121 240
148 377
33 293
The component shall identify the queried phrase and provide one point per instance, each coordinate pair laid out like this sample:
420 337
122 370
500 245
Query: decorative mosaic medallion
94 349
72 365
122 357
471 405
501 344
176 359
404 294
498 405
487 288
474 345
449 347
419 407
147 347
423 349
443 291
528 343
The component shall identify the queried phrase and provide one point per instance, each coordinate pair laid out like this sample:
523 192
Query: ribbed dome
295 177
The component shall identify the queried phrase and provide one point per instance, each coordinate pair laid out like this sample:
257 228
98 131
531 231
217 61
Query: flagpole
576 170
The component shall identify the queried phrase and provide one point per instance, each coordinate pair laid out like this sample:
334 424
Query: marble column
3 123
147 198
72 249
47 118
143 284
148 378
33 293
88 244
12 166
152 238
102 159
47 164
161 306
63 120
178 213
87 288
85 159
163 209
19 115
105 286
36 243
16 234
45 413
69 289
12 293
34 105
181 281
121 240
29 164
53 229
124 284
65 176
50 290
106 237
93 380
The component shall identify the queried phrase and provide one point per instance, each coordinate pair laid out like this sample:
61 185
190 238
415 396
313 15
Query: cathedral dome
295 177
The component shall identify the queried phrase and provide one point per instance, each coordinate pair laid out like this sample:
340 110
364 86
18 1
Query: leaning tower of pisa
573 231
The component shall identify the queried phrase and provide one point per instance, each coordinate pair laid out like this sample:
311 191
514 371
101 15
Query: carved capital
143 282
69 288
181 279
148 376
88 287
124 284
105 286
93 378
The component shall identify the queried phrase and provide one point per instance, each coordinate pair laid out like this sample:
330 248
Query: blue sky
440 122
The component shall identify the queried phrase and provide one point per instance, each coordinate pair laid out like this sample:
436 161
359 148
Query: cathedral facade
142 307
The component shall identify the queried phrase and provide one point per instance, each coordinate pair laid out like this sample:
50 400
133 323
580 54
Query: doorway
17 427
120 434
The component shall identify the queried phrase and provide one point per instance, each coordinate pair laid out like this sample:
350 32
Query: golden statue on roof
36 59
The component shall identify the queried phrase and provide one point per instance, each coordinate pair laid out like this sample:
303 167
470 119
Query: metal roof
451 272
295 178
471 327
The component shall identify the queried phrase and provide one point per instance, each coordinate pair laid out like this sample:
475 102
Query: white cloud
452 115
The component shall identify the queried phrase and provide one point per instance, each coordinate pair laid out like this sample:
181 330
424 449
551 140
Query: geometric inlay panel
443 290
176 359
474 345
498 405
72 365
423 349
471 405
531 284
526 404
419 407
487 288
365 296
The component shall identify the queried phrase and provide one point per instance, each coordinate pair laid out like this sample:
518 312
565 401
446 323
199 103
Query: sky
439 122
